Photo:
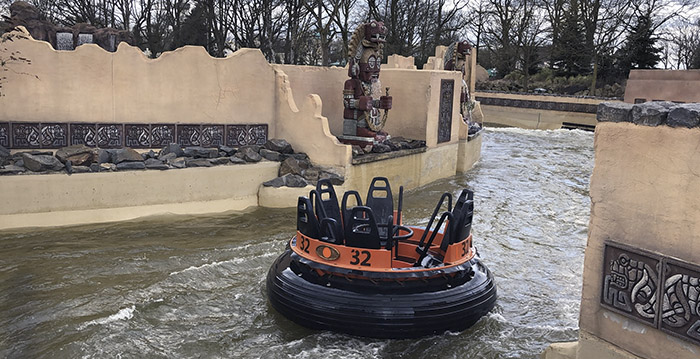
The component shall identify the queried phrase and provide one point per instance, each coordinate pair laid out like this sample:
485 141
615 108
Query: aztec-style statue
362 94
456 60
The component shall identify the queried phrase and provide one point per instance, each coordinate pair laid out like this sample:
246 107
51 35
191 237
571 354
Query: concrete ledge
588 347
282 197
59 199
469 152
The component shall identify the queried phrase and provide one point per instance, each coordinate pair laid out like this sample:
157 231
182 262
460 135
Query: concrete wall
643 195
663 85
537 111
416 98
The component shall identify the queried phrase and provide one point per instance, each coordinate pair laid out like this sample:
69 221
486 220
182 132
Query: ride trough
359 270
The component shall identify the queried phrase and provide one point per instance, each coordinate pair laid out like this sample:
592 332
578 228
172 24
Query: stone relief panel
680 305
630 282
445 111
5 135
243 135
22 135
653 289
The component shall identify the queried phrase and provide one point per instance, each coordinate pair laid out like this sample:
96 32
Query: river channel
194 286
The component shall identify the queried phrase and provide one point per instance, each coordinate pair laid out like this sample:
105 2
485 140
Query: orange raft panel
359 270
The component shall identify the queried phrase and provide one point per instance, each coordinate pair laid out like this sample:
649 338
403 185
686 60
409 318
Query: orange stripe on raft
375 260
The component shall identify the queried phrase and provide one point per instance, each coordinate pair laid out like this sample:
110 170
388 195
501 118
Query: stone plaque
212 136
680 300
630 282
445 112
188 135
137 136
5 134
83 134
26 135
54 135
243 135
110 135
162 135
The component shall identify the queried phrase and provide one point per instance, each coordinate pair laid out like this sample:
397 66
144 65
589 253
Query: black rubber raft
400 303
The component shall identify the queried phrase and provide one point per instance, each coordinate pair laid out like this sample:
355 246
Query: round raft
360 271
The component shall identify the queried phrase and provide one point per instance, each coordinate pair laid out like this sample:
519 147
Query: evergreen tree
639 51
569 54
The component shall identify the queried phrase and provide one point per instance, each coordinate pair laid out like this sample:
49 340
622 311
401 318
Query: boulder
279 145
293 166
381 148
125 166
614 112
292 180
149 154
11 170
275 182
301 156
270 155
168 157
357 151
198 162
171 148
178 162
684 115
104 156
78 155
126 154
228 151
107 167
333 175
201 152
236 160
651 113
155 164
311 174
220 161
249 153
38 163
4 156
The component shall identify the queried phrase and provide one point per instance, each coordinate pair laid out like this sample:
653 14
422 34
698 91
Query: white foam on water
122 314
208 265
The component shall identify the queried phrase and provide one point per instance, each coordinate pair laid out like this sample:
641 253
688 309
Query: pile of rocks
82 159
298 171
389 145
653 114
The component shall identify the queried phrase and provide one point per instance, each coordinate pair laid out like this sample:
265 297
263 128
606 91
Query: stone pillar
641 280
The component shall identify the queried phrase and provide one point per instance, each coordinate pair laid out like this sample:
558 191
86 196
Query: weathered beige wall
59 199
663 85
182 86
469 153
416 98
400 62
644 194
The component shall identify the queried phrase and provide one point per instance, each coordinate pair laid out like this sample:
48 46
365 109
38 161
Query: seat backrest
307 223
327 201
331 231
463 212
381 201
346 212
361 229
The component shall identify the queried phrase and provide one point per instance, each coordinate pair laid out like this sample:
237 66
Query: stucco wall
416 98
663 85
643 193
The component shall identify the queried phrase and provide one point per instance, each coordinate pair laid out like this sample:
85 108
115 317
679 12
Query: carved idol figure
362 94
456 60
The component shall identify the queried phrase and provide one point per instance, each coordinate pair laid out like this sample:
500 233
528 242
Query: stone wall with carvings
641 285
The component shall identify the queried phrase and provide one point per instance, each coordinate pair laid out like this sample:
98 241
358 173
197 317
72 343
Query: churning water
184 287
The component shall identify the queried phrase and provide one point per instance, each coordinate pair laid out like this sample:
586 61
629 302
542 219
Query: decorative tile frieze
630 282
27 135
653 289
680 301
445 111
5 135
243 135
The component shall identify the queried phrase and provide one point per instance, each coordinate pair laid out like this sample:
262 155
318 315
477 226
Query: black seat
346 212
463 212
361 229
307 223
326 201
382 206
